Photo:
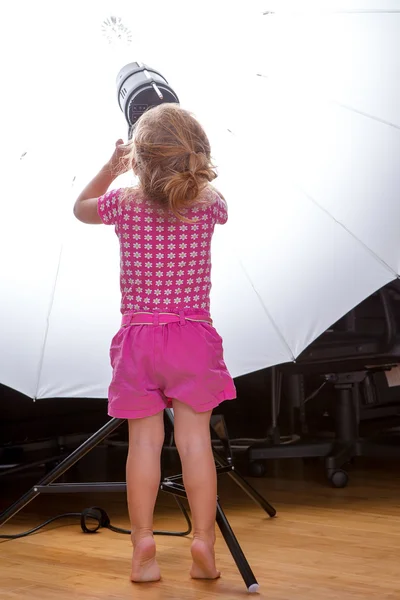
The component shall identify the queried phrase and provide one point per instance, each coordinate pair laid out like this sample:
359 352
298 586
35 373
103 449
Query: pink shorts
155 363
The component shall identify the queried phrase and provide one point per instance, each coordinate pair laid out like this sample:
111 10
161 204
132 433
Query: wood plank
324 544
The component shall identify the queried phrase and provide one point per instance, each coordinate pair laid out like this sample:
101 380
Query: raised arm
85 208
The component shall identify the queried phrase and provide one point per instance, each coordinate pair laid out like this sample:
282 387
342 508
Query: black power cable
103 521
26 533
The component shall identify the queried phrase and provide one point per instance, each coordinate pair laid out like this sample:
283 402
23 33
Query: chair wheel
339 478
257 468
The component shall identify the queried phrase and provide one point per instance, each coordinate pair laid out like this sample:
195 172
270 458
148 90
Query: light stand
170 485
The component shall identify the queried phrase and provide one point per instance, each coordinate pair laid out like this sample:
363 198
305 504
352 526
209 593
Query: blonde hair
170 153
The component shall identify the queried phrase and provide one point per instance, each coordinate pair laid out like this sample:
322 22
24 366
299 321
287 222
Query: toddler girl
167 352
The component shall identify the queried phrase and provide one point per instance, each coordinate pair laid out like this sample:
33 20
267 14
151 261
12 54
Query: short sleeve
220 210
107 207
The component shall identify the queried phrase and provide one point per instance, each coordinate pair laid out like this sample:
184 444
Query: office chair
347 356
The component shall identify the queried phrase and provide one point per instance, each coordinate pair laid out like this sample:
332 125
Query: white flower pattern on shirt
169 256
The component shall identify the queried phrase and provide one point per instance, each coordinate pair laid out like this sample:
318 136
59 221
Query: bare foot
144 564
203 561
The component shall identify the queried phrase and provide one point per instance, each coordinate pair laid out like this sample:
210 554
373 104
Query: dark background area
23 420
30 430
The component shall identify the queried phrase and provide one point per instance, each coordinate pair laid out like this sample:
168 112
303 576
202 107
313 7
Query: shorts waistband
154 318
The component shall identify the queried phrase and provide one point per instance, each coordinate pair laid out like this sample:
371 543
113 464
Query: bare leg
143 474
192 438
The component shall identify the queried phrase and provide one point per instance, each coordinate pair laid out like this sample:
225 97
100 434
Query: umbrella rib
265 309
357 239
46 333
348 107
365 114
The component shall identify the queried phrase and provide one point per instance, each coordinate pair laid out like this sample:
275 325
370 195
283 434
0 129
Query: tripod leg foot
236 551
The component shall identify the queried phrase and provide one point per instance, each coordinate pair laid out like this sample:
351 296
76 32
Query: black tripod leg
245 485
252 493
66 464
236 551
237 477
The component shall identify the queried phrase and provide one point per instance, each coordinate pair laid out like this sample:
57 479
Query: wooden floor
324 544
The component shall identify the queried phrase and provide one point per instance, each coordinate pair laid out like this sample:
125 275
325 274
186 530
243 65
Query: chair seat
337 351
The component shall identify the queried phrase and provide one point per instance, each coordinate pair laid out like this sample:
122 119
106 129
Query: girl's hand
118 163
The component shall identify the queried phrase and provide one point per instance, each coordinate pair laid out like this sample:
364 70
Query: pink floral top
165 262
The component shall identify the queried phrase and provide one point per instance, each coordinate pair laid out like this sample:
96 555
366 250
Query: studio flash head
139 88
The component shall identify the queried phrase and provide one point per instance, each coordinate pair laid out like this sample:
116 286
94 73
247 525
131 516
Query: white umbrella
303 114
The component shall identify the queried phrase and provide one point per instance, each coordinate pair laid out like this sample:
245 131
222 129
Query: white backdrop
303 111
